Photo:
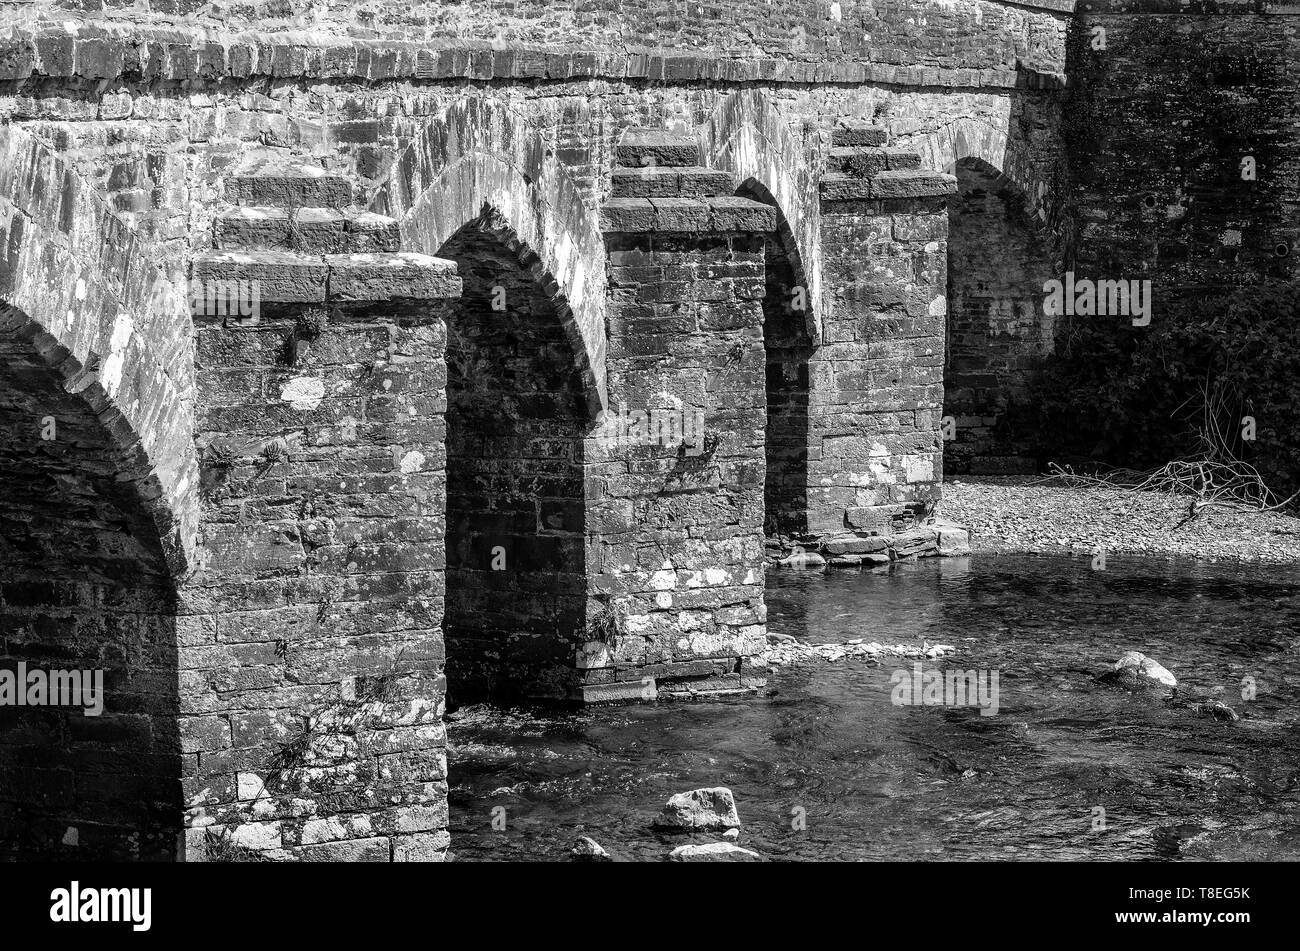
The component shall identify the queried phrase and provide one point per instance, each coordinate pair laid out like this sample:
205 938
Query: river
825 766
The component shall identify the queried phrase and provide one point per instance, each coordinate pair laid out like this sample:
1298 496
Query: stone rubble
587 849
713 852
784 650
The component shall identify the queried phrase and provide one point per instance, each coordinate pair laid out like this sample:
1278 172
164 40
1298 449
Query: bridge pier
675 482
876 380
310 645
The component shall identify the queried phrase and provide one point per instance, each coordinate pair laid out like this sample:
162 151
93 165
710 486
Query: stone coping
110 50
713 214
906 183
290 277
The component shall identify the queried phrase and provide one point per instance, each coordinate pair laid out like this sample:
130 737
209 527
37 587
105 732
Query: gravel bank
1017 514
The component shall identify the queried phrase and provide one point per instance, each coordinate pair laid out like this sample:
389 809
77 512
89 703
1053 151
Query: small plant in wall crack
294 239
693 468
219 460
219 456
292 753
221 847
605 624
274 452
307 329
343 716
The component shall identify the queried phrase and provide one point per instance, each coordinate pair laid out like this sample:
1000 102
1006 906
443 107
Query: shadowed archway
788 348
516 418
86 592
998 332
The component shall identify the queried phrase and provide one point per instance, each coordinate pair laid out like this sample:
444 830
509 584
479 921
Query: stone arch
77 284
747 137
480 153
998 333
989 143
788 348
87 595
517 422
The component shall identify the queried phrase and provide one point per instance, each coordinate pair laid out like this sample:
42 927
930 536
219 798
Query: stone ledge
302 186
668 182
286 277
851 132
904 183
279 276
405 274
863 162
322 230
715 214
641 148
634 673
859 162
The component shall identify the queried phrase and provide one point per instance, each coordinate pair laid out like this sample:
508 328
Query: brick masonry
264 530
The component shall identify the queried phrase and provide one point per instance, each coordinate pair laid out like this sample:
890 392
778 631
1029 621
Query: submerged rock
711 808
1216 709
713 852
803 559
1169 839
1136 669
1201 703
589 850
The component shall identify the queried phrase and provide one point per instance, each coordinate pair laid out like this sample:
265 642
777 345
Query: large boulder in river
1136 669
587 849
713 852
712 808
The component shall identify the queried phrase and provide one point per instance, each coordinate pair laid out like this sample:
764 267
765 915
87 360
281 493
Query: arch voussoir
479 155
80 290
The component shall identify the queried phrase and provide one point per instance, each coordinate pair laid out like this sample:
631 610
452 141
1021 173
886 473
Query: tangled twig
1213 477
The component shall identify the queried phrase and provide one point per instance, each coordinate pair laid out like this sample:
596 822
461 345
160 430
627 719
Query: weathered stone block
276 276
638 691
382 277
289 185
627 215
661 181
912 183
741 214
857 162
856 133
643 147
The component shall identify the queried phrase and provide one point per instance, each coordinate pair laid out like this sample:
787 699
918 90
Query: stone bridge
476 356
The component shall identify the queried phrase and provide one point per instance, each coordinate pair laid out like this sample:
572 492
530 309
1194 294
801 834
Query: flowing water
825 766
